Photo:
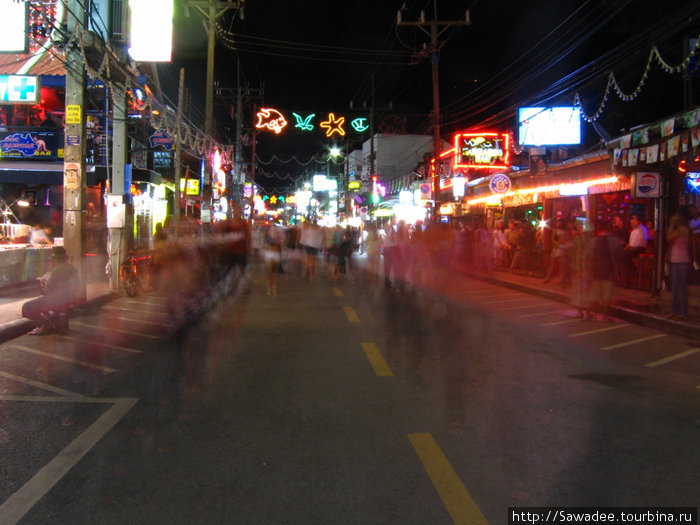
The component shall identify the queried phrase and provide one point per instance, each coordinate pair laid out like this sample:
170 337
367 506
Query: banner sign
41 145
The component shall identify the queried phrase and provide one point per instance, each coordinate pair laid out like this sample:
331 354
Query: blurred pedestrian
59 288
605 257
678 239
272 254
581 262
373 247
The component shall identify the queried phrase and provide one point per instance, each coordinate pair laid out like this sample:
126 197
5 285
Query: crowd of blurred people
589 261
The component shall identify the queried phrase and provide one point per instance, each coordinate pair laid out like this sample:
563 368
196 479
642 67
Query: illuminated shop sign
22 89
192 187
13 26
482 150
151 30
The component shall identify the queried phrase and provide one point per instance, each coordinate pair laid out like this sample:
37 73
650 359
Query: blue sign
500 183
22 143
73 140
162 139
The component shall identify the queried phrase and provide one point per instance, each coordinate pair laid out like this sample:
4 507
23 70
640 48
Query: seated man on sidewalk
59 288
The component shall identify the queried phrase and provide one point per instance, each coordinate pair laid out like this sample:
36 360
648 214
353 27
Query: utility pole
178 147
436 29
212 9
74 179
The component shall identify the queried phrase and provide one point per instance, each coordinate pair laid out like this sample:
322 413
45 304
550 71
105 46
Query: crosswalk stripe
674 357
633 342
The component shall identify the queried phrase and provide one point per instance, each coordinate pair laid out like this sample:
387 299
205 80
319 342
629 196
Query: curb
656 322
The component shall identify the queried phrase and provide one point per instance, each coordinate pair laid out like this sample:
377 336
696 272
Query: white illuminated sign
13 26
151 30
19 88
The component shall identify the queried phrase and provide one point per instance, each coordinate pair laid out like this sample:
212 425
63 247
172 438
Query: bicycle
133 273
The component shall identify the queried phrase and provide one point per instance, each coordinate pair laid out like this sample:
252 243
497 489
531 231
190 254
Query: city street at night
341 401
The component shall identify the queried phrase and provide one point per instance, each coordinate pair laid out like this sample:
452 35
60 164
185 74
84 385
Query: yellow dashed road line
350 313
450 488
377 360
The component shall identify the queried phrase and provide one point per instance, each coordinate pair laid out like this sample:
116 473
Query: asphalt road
345 402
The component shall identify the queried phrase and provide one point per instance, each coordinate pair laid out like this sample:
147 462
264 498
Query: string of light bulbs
613 85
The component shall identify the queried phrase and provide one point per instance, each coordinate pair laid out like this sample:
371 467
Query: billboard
542 126
13 26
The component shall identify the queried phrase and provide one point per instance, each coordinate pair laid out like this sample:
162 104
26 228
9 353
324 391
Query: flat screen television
543 126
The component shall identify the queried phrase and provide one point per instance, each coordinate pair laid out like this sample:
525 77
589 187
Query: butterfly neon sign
273 120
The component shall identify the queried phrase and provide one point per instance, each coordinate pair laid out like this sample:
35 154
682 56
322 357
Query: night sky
513 53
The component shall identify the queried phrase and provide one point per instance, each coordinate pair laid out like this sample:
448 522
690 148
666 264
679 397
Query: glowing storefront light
151 30
458 184
546 189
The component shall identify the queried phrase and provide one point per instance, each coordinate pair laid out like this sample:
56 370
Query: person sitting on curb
59 288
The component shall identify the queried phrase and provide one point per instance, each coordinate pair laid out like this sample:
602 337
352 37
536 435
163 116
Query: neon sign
333 125
482 150
360 124
304 124
271 119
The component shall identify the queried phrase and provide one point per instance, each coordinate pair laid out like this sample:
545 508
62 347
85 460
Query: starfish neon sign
333 125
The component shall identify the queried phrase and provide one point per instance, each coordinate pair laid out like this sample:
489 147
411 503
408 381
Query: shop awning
47 173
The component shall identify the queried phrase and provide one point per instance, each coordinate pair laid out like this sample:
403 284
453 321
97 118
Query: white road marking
112 308
540 314
490 295
531 305
22 501
633 342
599 330
508 300
52 355
674 357
555 323
140 334
42 386
106 345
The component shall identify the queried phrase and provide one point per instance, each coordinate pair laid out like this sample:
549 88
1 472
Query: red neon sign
482 150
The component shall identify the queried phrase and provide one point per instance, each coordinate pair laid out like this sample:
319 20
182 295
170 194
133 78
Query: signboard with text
19 89
482 151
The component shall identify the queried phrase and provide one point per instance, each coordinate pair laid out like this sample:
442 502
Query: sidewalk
634 306
12 324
